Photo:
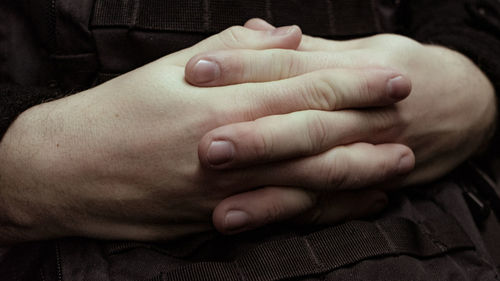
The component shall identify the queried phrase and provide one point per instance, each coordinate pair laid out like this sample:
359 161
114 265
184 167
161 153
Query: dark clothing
53 48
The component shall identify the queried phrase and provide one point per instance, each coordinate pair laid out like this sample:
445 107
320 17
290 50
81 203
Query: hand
451 109
451 98
119 161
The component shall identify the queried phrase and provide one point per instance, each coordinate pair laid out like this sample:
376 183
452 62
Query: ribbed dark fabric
330 249
334 17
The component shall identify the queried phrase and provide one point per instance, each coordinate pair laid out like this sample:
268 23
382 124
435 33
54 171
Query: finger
304 133
258 24
254 209
344 167
329 89
309 43
257 208
388 41
219 68
238 37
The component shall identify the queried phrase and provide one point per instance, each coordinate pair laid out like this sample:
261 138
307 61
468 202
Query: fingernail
236 220
282 31
205 71
406 164
398 87
220 152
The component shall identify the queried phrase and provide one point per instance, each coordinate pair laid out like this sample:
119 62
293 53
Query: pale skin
447 118
122 160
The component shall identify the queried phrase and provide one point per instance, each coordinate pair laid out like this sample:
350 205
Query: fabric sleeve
471 27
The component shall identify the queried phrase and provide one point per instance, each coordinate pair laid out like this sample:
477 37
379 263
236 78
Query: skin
448 117
120 161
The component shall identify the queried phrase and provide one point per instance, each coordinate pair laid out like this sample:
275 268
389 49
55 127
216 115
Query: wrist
479 110
24 212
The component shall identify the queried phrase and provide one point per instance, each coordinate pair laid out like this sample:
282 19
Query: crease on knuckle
234 68
317 132
264 149
322 93
274 213
280 63
385 168
232 37
386 123
315 216
262 144
365 87
289 63
333 167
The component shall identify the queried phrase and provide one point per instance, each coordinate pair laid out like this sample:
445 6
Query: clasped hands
252 126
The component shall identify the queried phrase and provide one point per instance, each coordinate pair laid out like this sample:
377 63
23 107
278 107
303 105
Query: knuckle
287 63
232 37
333 168
322 93
258 141
317 131
387 123
397 47
394 39
274 212
263 147
365 86
232 65
385 168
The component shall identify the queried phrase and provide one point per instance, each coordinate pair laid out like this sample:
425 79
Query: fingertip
405 158
189 72
216 150
257 208
228 219
292 34
289 36
220 152
202 70
218 215
203 148
399 87
258 24
295 37
406 162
